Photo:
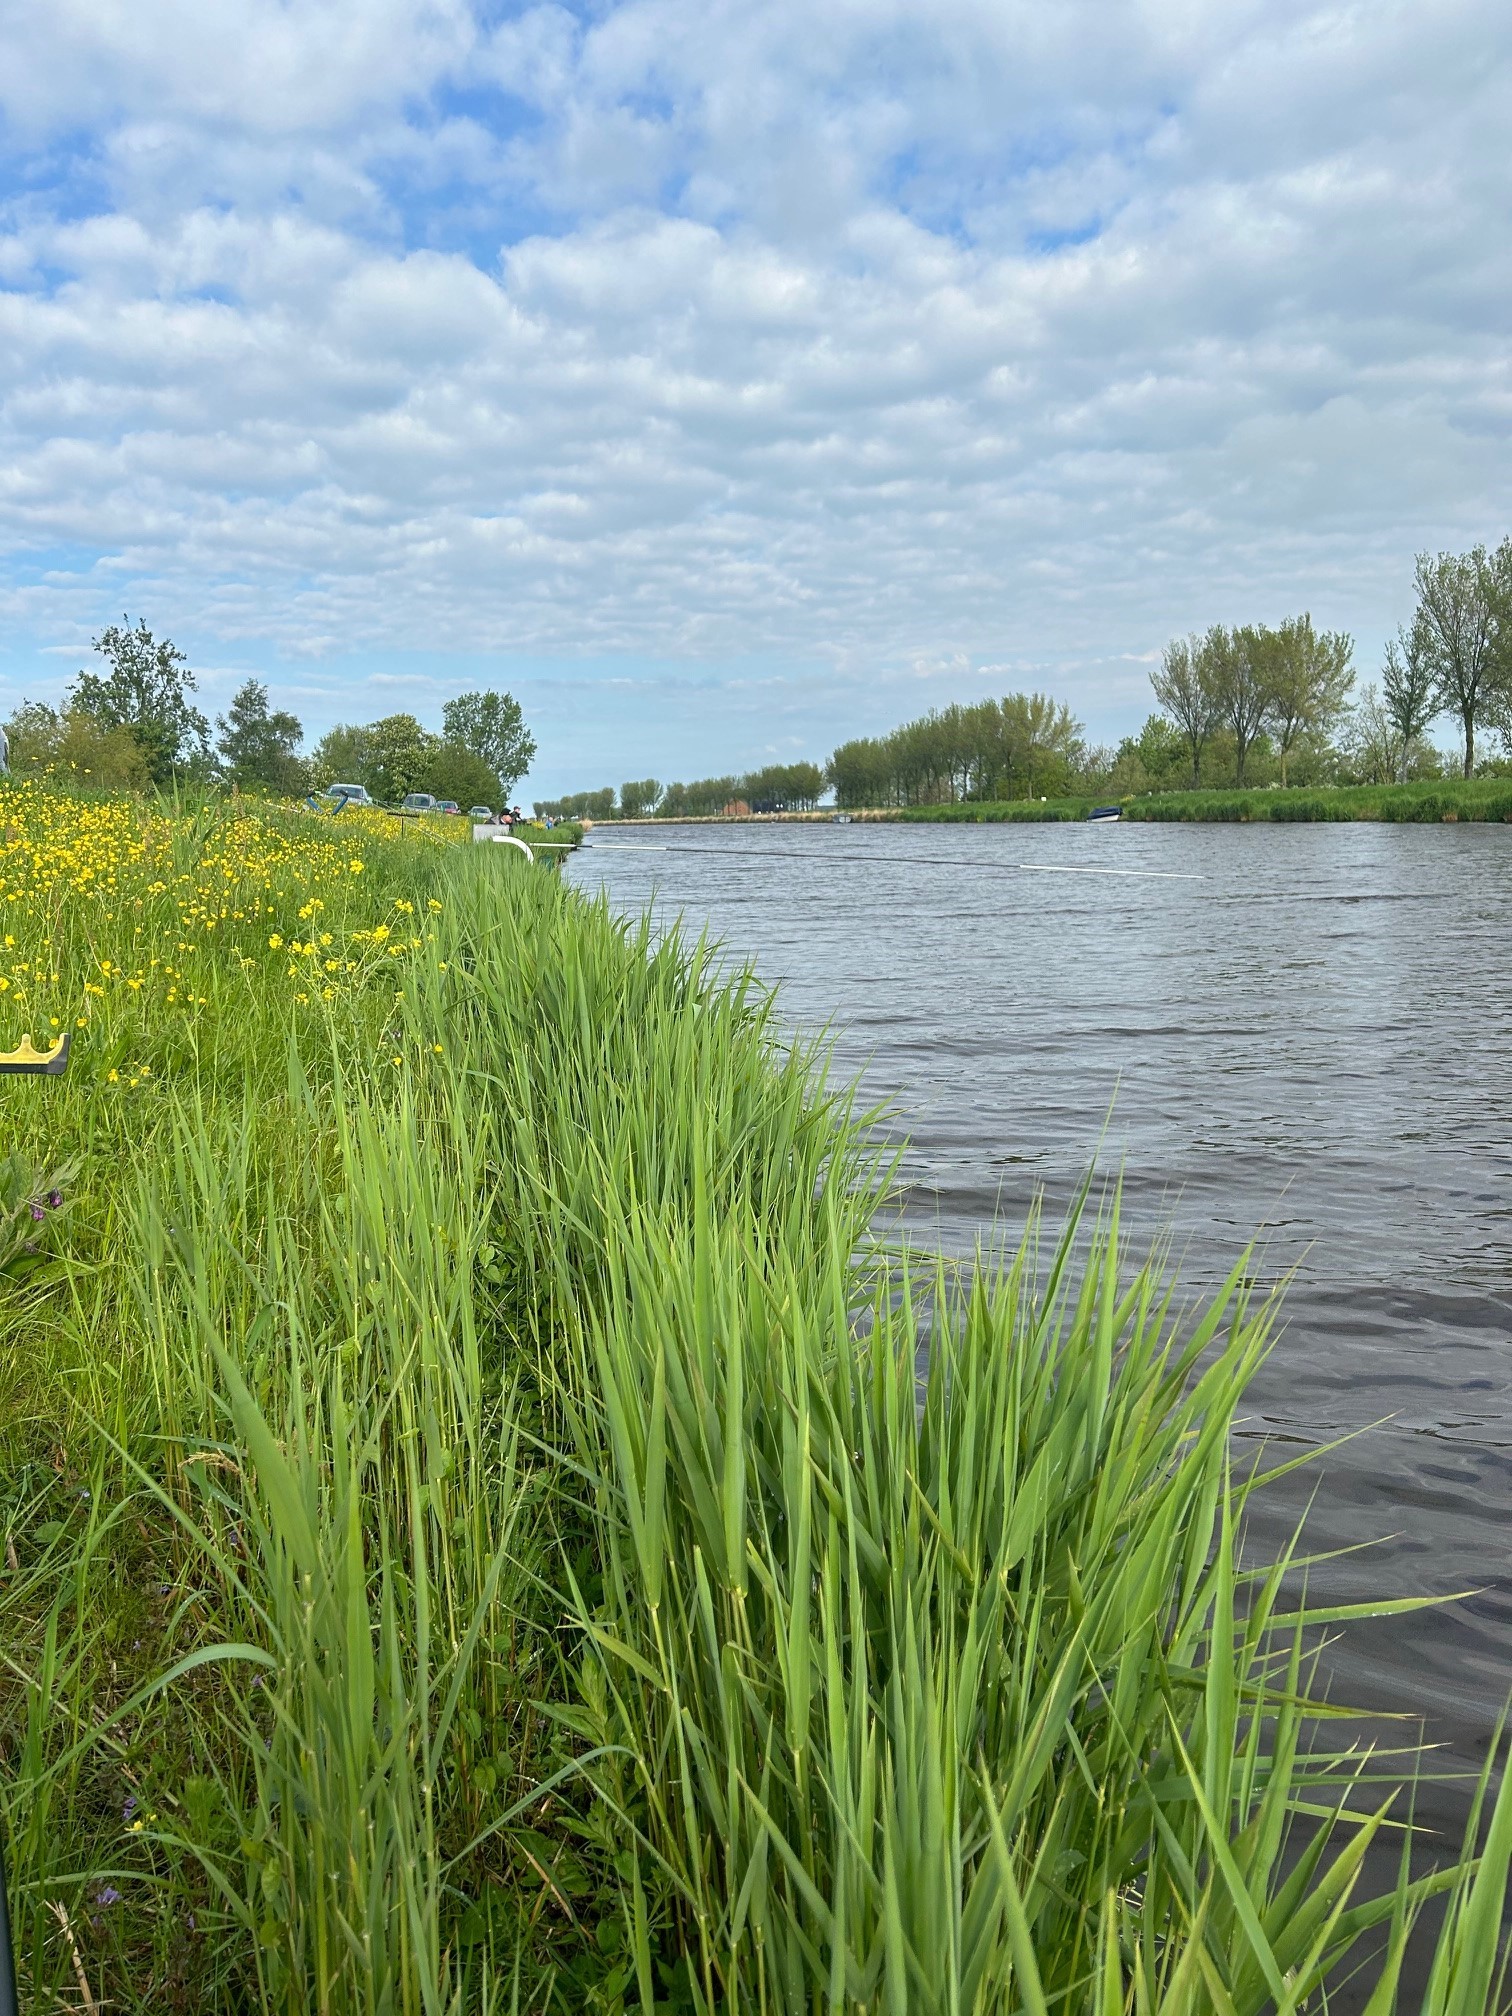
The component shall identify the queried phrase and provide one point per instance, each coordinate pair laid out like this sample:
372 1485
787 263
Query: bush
71 746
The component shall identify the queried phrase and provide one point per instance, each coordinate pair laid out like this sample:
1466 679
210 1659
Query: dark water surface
1312 1035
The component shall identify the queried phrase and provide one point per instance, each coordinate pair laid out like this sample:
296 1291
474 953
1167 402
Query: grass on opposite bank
475 1536
1451 799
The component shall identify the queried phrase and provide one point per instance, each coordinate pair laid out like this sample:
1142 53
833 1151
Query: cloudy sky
729 376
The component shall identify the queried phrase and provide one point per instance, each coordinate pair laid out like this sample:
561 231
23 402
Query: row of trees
482 752
1293 683
777 787
135 724
1291 680
1243 704
1022 746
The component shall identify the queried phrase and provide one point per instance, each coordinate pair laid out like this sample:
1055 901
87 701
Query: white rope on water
903 860
1147 874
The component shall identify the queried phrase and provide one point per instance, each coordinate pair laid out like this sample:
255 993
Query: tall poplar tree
1459 611
1184 694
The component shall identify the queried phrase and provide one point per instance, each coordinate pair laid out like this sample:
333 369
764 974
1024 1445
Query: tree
779 787
257 744
860 773
146 692
1043 739
1459 611
1370 743
1307 677
703 796
1409 688
72 744
456 773
1499 571
579 805
1233 666
639 800
1186 697
492 727
399 756
342 756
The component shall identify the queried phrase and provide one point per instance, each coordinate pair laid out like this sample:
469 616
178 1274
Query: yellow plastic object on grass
27 1057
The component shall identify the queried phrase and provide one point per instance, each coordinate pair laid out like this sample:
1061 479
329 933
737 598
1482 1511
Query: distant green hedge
1476 799
1036 810
1480 799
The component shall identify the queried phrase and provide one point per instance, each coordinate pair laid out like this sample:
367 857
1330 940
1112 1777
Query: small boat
1105 812
840 819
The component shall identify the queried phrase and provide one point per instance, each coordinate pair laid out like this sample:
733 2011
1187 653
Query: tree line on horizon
776 787
134 724
1241 704
1238 705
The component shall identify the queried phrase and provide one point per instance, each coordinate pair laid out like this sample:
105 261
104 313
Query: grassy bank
1430 803
474 1533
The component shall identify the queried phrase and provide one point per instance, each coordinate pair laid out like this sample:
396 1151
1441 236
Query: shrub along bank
476 1534
1427 803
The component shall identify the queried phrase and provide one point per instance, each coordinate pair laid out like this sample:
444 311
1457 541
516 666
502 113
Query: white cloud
685 333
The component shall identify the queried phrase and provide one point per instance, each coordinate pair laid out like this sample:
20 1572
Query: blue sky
727 378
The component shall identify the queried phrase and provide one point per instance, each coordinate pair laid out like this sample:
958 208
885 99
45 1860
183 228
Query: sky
729 377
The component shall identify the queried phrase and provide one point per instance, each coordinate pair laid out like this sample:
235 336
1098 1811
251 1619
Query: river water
1303 1032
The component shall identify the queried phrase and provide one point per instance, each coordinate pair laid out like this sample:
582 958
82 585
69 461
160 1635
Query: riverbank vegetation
1240 707
134 724
474 1535
777 787
1449 799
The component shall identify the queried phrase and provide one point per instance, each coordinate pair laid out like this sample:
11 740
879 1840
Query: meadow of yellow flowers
126 923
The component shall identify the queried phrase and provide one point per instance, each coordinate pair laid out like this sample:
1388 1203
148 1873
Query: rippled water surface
1306 1029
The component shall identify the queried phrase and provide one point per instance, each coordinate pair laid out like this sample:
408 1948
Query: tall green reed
945 1688
356 1496
561 1526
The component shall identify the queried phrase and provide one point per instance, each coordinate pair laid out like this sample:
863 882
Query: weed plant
480 1532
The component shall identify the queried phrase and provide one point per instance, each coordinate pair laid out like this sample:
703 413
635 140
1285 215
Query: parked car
480 812
449 805
354 794
420 801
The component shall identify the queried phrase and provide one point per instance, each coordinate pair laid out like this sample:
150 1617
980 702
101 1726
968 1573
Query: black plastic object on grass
7 1963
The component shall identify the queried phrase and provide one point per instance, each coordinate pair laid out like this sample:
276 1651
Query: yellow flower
275 943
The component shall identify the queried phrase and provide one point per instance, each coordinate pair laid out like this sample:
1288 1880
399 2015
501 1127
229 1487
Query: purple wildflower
129 1808
106 1895
53 1199
37 1212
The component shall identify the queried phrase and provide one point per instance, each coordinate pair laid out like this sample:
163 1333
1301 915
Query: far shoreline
1439 801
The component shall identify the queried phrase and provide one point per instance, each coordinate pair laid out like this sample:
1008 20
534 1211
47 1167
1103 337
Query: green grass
482 1538
1429 803
1032 810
